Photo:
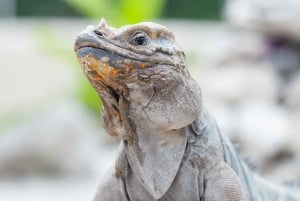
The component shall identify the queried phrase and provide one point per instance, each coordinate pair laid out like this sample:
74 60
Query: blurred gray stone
238 82
48 190
276 17
284 56
279 22
63 140
289 167
294 133
292 94
263 129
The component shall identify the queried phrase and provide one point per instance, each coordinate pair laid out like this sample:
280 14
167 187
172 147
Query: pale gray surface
62 140
276 17
47 190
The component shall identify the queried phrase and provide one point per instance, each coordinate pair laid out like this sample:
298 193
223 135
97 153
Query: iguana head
142 65
148 95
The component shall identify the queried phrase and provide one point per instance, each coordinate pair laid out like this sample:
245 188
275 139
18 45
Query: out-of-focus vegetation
194 9
45 8
119 12
50 43
122 11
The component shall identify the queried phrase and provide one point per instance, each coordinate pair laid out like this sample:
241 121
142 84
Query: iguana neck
148 158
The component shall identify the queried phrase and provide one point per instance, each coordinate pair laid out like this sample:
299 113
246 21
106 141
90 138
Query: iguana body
171 148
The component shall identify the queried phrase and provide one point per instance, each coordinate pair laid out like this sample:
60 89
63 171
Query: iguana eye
139 39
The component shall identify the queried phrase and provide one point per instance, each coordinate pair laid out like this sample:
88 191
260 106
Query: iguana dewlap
171 148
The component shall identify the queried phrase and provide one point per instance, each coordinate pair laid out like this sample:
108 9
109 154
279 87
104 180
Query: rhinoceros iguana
171 148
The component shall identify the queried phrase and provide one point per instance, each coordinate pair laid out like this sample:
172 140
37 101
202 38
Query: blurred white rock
292 94
276 17
294 133
284 170
63 140
239 82
263 129
260 129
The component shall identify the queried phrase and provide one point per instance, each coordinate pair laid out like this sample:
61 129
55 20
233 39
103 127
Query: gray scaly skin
171 148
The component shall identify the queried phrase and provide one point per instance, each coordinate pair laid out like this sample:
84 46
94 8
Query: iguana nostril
99 33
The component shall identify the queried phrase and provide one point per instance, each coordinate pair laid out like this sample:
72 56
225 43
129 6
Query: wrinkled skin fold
170 147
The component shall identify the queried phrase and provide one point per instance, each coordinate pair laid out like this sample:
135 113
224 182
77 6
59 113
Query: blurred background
244 54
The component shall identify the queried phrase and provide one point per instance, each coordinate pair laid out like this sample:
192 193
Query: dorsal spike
102 23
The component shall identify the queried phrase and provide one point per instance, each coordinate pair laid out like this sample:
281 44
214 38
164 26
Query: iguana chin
171 148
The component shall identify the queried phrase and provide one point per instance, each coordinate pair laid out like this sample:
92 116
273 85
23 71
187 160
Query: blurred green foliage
194 9
43 8
119 12
51 43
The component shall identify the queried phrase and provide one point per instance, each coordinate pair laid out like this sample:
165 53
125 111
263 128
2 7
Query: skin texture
171 148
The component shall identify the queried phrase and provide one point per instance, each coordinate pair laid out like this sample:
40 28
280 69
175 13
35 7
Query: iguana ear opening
102 23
